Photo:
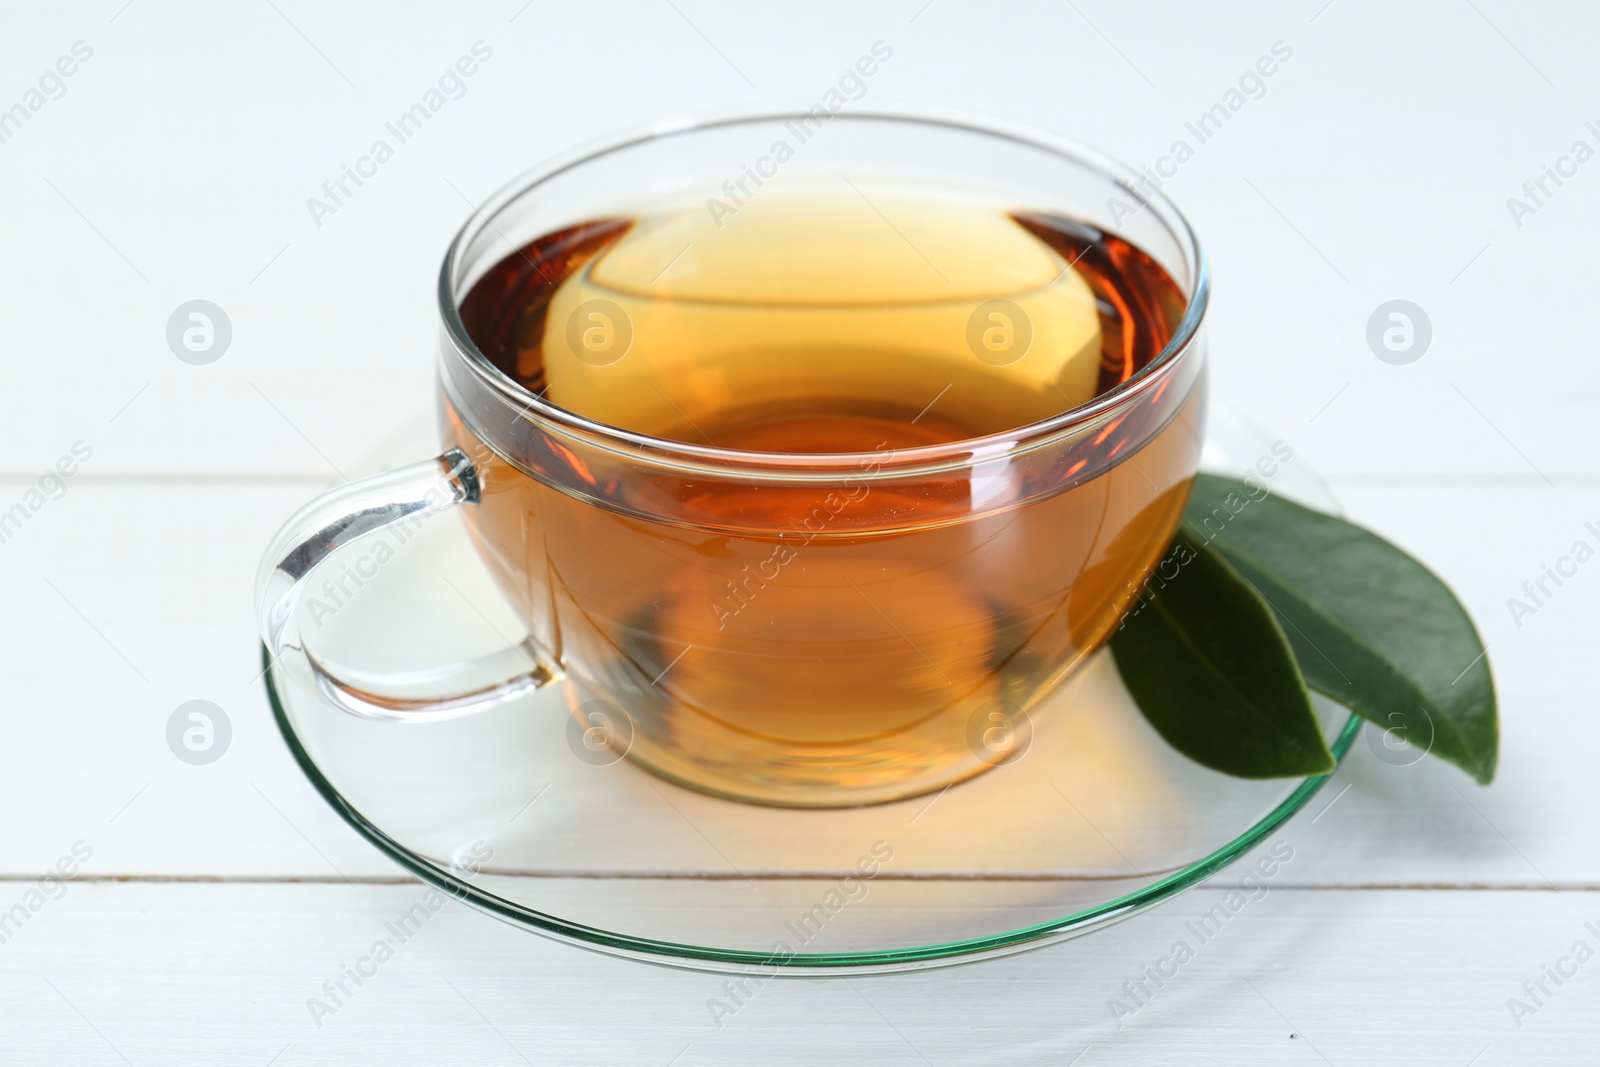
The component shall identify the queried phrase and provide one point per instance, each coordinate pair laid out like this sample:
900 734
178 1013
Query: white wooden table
210 902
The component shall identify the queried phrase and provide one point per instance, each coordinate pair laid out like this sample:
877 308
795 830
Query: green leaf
1371 627
1213 673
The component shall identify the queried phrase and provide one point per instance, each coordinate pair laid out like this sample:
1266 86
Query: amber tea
779 635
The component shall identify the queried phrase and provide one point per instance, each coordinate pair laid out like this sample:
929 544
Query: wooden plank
1308 232
101 656
205 974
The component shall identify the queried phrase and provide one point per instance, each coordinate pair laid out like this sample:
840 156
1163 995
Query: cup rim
1026 436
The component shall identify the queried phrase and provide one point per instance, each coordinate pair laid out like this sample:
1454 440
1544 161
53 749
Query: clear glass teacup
1007 444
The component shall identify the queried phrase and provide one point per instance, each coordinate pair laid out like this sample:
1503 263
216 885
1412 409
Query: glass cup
798 629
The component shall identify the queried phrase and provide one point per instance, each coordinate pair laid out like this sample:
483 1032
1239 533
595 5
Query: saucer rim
813 964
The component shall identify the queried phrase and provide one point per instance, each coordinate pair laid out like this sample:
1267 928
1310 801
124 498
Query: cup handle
405 497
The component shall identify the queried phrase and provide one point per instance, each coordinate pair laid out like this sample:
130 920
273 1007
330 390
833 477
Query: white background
177 166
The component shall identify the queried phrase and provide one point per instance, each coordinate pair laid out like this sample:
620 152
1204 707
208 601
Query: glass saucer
510 812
